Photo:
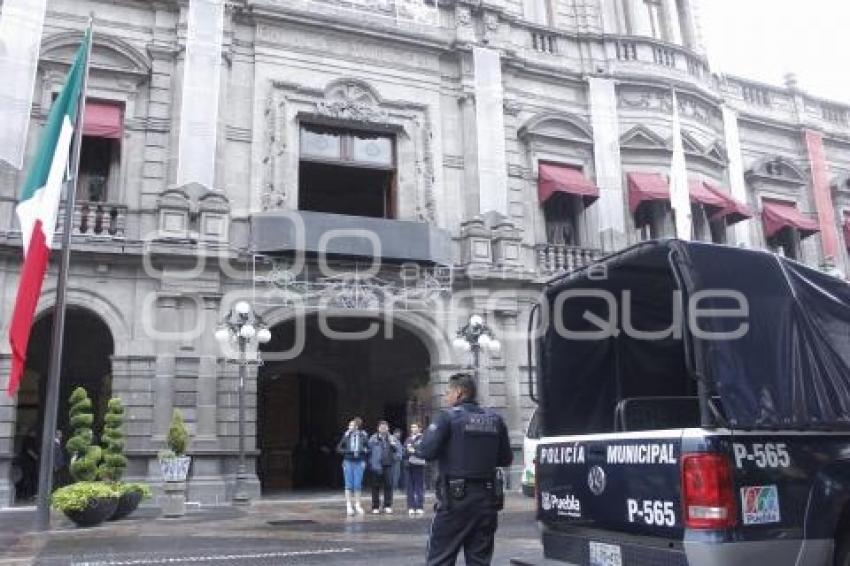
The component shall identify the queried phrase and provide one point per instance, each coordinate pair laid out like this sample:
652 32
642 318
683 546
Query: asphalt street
301 531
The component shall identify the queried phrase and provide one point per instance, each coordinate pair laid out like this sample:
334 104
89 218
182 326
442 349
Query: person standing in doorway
384 451
354 448
470 443
415 472
398 477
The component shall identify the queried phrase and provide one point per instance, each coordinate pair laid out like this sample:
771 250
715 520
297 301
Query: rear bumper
572 546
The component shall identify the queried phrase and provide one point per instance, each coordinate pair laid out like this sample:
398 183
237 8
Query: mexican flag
39 206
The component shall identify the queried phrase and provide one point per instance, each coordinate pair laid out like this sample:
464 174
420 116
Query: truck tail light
708 492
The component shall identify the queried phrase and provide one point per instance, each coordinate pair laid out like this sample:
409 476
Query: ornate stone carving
699 111
273 194
463 17
406 289
645 99
512 107
427 172
661 101
351 110
352 101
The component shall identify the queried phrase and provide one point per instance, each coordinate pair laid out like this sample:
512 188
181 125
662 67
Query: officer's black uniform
470 443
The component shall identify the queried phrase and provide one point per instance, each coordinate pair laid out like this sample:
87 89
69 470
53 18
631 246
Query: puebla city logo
596 480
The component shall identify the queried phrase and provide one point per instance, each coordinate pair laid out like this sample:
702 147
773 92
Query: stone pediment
776 170
108 53
717 152
691 145
641 137
558 126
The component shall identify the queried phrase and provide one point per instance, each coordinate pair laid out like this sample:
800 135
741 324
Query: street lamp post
243 326
474 336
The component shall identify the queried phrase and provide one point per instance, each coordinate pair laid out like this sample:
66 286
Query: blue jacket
375 452
346 445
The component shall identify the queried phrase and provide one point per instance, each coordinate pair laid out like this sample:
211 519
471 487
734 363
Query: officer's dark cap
466 383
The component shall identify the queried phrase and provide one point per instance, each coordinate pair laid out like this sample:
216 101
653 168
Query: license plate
602 554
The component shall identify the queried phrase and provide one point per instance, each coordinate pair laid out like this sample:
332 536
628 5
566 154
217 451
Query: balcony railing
101 219
554 258
647 54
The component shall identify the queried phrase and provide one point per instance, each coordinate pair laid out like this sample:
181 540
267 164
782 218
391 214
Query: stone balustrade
101 219
642 54
553 258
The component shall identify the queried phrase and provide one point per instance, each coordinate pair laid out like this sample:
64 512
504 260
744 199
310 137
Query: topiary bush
114 463
178 436
85 455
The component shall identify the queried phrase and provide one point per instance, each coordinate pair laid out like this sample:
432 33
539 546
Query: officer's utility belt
455 488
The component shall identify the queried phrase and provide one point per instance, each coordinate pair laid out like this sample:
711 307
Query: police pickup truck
695 409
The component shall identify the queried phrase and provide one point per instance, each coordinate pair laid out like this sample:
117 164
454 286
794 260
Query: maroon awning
847 229
552 178
733 211
702 194
645 187
103 120
776 215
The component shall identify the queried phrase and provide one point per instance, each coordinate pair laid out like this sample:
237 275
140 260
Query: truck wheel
842 549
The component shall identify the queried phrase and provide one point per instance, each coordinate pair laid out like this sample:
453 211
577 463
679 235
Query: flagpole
51 407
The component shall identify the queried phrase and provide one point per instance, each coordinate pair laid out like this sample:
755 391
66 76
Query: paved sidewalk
297 529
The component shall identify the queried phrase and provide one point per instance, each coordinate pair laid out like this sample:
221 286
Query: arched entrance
303 404
86 362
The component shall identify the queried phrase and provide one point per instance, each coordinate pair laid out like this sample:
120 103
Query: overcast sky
764 39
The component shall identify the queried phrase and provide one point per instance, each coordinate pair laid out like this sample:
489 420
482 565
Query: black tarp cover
790 370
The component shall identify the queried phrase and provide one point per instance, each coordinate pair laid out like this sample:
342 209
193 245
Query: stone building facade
474 147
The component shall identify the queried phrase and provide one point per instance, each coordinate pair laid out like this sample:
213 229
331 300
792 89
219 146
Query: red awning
847 229
701 193
646 186
733 210
103 120
553 179
777 215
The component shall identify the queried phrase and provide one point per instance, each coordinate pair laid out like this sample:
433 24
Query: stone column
742 230
490 132
470 188
207 386
671 22
200 93
638 16
613 17
609 209
163 395
823 199
164 371
690 27
507 331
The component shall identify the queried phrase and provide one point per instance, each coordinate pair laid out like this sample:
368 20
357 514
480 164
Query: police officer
470 443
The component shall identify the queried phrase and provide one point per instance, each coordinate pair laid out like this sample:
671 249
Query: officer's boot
349 510
357 506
